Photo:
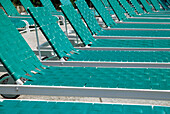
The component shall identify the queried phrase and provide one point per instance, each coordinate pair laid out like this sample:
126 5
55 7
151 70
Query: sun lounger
88 40
97 30
13 13
63 48
122 17
131 12
109 22
25 68
53 107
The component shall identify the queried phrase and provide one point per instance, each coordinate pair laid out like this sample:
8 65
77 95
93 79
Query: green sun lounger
88 40
50 6
148 8
122 17
131 11
95 29
25 68
163 4
13 13
109 22
64 50
53 107
156 5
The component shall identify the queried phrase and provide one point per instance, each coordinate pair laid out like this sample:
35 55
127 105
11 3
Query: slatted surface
44 107
132 78
16 55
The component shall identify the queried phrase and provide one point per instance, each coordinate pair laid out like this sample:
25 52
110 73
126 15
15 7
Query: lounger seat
52 107
132 78
131 43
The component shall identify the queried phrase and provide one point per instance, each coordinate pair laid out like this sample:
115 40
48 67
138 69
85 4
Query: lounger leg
38 45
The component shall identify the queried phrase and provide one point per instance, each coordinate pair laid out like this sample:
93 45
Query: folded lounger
25 68
53 107
88 40
132 13
13 13
122 17
109 22
64 50
95 29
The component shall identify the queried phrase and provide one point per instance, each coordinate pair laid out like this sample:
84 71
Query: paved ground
31 40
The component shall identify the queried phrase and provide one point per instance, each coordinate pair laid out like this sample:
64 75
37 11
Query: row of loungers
27 74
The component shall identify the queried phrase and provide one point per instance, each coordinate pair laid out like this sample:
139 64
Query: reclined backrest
155 5
49 5
26 4
103 12
118 10
16 56
88 16
137 6
130 10
163 4
9 8
78 25
147 7
105 3
51 30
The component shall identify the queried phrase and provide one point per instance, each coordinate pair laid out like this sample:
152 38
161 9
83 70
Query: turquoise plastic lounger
53 107
156 5
13 13
25 68
132 13
122 17
88 40
64 50
109 22
163 4
148 8
95 29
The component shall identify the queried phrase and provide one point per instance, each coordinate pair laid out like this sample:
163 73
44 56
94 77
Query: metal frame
135 29
142 22
105 64
85 92
125 37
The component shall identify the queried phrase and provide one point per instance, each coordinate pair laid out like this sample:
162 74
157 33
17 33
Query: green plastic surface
27 4
51 107
107 19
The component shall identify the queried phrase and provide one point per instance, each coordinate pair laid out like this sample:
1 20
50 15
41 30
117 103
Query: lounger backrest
51 30
130 10
163 4
26 4
105 2
78 25
88 16
103 12
16 56
147 7
49 5
118 10
137 6
156 5
9 7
